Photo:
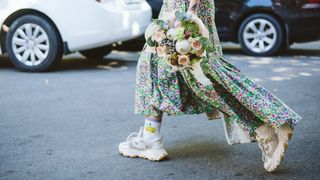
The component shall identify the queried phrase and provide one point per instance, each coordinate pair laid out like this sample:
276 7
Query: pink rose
162 51
159 36
196 45
184 60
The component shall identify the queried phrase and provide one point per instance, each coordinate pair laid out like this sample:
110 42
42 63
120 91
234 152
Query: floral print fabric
244 104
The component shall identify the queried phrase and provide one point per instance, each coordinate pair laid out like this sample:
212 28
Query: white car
36 33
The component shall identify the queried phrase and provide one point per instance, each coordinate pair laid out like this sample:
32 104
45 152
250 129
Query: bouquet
182 39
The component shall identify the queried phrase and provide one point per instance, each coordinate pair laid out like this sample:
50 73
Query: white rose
183 47
172 34
151 29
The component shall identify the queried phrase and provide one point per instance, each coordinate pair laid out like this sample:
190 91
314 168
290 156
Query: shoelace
263 148
135 137
263 151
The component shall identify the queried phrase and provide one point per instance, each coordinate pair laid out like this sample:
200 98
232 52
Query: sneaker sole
161 154
283 149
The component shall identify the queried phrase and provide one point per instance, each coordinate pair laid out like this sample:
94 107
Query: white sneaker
274 145
284 134
135 146
268 143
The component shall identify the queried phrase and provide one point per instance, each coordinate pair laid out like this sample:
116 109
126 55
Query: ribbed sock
151 130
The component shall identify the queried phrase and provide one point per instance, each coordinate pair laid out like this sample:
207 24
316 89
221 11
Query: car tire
34 44
261 35
97 53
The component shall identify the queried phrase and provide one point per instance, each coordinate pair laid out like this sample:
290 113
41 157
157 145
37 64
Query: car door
227 11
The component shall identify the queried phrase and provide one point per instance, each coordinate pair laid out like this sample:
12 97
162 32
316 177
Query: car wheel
33 44
97 53
260 35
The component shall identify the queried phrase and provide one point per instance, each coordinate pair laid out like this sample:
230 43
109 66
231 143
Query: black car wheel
33 44
260 35
97 53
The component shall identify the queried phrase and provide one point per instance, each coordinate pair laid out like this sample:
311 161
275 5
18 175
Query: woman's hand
193 6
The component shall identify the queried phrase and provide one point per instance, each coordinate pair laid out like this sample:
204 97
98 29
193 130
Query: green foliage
195 60
150 42
205 64
180 34
191 27
180 16
207 44
161 23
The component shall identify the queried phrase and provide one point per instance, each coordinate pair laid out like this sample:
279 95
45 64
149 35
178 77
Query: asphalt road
67 124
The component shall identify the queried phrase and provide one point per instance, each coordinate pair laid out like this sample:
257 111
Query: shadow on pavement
204 150
284 53
110 63
89 64
79 64
223 159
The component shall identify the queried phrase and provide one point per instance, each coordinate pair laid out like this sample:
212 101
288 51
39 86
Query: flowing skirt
213 85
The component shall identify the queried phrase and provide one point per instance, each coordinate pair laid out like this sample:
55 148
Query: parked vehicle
36 33
136 44
263 27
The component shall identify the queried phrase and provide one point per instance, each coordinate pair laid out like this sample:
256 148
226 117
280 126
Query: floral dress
244 104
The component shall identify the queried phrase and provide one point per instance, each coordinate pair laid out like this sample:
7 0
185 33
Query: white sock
151 130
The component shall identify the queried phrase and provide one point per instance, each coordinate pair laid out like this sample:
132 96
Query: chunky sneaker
268 143
135 146
284 134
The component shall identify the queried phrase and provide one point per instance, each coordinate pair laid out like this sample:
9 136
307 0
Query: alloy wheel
260 35
30 44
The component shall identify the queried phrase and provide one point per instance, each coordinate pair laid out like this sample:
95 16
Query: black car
262 27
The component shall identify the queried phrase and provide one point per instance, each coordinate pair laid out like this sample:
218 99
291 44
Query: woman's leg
151 130
147 143
157 118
